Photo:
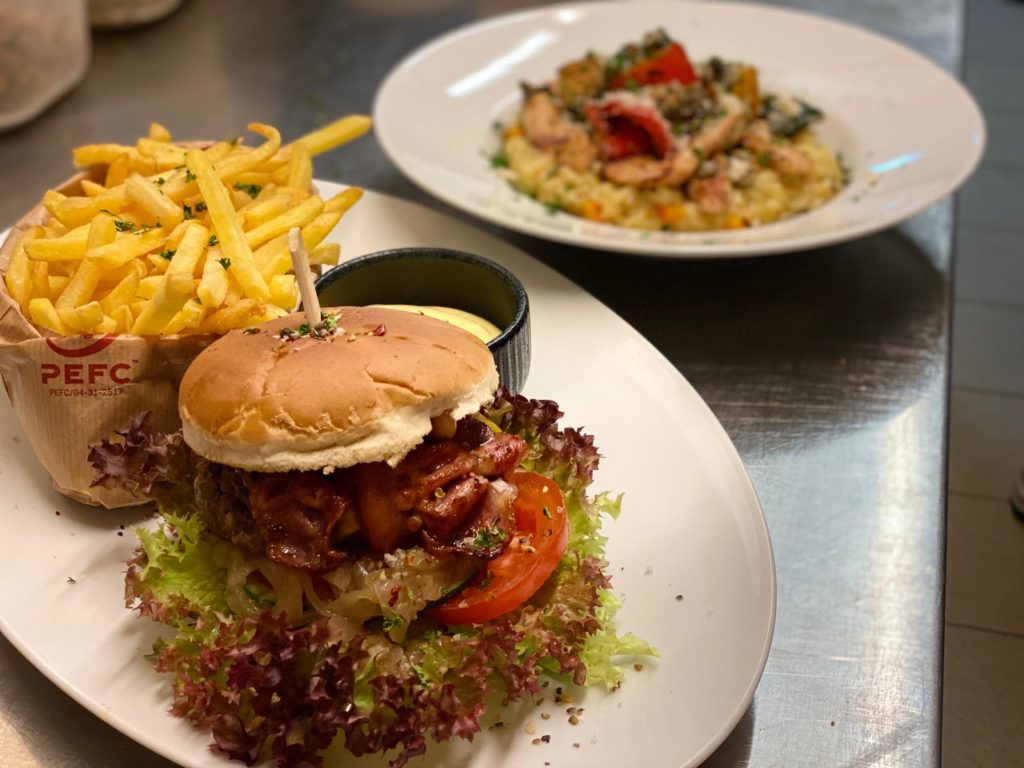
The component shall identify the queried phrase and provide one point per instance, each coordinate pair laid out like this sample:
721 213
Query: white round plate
691 526
910 133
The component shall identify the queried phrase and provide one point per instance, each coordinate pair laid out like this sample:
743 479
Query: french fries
175 239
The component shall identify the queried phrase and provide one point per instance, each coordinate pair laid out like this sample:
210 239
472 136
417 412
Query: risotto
644 139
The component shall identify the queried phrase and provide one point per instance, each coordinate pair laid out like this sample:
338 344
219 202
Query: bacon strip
442 494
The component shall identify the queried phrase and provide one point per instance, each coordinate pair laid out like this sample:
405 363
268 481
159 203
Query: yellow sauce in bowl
482 329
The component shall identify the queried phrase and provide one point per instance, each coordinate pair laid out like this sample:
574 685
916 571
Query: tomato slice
667 65
514 576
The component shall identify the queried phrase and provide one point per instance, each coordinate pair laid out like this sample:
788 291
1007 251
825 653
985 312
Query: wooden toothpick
304 277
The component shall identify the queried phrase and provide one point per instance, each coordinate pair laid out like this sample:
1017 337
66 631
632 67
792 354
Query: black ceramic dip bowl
443 278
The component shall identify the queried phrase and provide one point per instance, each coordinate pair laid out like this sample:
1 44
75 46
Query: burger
360 537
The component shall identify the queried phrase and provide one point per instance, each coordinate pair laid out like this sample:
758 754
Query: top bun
256 401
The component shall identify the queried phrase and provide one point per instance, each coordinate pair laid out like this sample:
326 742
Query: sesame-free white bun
256 401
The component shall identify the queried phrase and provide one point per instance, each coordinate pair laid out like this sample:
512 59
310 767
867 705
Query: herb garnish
762 159
187 212
168 254
499 158
392 622
250 189
844 169
488 537
200 206
225 262
327 326
161 181
189 176
123 225
212 241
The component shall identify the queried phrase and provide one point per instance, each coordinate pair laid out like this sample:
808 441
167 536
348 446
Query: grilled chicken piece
548 127
712 194
544 124
636 171
645 171
784 159
723 132
578 152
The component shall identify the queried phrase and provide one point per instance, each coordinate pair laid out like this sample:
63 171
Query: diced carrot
592 210
670 213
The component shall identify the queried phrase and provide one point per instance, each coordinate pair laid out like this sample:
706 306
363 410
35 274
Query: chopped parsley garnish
762 159
488 537
553 207
161 181
123 225
225 262
212 241
250 189
168 254
327 326
187 210
844 169
499 159
189 176
547 513
233 141
198 301
200 206
392 622
700 153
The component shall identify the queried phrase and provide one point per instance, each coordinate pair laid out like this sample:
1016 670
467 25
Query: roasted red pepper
669 64
626 129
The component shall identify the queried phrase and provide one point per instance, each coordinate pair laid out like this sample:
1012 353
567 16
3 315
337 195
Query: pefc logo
82 372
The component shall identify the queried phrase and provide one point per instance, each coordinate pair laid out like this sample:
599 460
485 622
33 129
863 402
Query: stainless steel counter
829 369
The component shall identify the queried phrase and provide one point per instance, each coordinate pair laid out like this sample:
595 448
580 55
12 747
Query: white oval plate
691 525
910 133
